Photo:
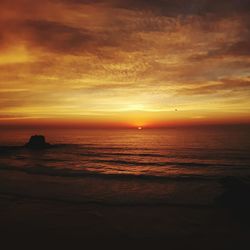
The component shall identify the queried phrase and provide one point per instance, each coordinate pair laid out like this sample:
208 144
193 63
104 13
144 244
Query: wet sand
26 219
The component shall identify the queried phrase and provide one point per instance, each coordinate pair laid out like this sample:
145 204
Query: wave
48 171
80 146
173 164
98 202
69 154
105 154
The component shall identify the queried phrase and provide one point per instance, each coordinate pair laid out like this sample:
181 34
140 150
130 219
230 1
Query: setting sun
125 121
110 63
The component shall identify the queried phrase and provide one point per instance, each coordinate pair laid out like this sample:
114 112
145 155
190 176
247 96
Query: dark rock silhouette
37 142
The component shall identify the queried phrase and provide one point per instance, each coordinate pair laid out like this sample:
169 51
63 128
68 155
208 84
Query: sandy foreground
28 219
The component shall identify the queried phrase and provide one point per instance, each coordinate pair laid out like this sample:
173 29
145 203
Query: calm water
133 164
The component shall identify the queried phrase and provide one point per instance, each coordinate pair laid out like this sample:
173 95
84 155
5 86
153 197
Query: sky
124 62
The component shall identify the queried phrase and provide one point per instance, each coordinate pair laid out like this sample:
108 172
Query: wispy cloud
81 56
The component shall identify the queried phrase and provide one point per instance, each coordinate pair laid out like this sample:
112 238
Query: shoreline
73 223
36 209
109 191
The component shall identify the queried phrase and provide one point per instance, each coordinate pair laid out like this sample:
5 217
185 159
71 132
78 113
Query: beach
34 216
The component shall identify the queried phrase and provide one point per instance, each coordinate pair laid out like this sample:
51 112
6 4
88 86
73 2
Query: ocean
181 166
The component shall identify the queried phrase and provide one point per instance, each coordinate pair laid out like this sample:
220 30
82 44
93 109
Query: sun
139 128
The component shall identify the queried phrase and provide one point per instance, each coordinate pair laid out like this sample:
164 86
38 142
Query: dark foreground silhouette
236 197
32 212
237 192
37 142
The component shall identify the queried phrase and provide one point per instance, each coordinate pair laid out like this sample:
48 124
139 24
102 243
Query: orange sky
123 62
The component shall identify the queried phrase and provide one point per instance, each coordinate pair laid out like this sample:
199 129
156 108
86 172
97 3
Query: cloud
53 36
239 48
56 36
79 55
183 7
223 85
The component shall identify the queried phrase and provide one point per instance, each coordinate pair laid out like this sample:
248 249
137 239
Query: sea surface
175 165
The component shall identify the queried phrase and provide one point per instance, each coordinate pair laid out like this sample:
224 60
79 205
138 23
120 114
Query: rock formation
37 142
